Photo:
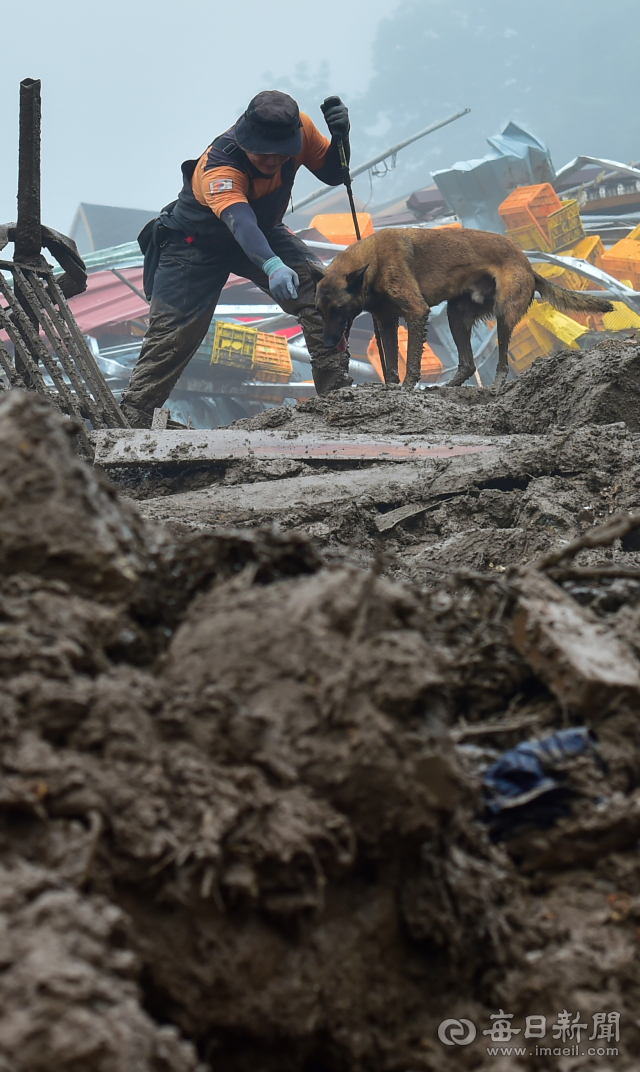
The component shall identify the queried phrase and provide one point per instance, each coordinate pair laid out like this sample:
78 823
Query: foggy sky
130 89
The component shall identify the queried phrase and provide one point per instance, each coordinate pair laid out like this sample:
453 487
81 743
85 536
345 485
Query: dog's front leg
389 333
417 330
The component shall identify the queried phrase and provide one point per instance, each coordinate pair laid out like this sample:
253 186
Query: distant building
102 226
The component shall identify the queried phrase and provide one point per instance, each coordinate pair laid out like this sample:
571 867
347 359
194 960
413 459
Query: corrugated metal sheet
108 300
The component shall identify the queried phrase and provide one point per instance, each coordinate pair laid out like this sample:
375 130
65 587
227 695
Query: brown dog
403 273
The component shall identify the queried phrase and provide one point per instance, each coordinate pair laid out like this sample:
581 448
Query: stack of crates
536 218
623 259
249 353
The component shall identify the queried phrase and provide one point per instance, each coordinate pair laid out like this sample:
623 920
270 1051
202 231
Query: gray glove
283 281
337 116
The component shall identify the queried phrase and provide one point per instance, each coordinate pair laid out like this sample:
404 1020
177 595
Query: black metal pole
28 242
347 182
346 178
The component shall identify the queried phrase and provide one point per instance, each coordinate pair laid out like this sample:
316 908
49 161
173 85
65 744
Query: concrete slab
141 447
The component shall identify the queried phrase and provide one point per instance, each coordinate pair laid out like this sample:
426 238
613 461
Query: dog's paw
461 376
499 382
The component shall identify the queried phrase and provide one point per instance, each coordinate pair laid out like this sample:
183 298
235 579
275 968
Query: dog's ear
355 279
316 271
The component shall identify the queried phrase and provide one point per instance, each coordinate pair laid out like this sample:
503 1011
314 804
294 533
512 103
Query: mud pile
566 436
241 813
571 389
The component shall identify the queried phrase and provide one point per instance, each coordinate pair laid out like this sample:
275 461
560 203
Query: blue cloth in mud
520 788
524 767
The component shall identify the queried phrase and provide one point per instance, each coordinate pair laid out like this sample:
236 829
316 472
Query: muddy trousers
186 288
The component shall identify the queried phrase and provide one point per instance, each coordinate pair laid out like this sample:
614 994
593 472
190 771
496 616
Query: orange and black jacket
223 192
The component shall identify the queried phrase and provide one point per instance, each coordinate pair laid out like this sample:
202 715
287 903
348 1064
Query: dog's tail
568 300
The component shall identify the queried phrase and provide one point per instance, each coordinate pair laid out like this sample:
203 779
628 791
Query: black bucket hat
271 124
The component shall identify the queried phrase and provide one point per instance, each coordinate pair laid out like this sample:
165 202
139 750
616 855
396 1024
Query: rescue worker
228 218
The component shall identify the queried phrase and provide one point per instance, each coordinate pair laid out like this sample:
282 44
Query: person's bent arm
331 171
241 221
322 157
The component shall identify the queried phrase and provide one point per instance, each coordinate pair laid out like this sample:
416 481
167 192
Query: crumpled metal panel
608 165
474 189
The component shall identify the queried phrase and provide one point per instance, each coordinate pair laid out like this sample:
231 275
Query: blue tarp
474 189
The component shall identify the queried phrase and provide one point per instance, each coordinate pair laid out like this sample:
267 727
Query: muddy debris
241 806
565 455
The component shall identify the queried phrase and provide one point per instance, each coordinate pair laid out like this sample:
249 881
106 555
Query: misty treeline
566 69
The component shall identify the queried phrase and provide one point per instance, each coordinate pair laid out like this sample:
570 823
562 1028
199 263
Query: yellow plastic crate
530 237
635 234
565 225
563 328
564 277
234 346
272 360
258 355
622 317
528 343
587 249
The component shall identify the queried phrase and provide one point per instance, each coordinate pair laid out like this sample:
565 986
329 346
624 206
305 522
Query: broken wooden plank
388 521
135 447
160 419
578 657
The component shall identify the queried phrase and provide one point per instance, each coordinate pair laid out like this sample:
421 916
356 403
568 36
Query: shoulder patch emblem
220 185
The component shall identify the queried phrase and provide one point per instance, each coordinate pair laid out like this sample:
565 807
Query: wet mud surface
242 823
567 439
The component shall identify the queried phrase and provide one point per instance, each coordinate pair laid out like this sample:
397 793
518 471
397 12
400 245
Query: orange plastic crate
622 261
530 204
430 367
338 227
272 360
